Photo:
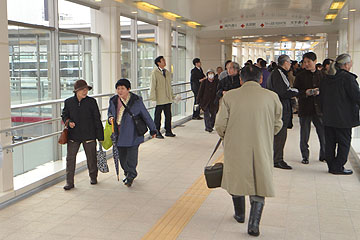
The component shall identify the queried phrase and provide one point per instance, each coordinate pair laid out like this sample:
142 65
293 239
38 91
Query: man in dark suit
197 76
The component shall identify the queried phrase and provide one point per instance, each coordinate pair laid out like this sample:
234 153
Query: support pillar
164 42
6 160
354 36
332 45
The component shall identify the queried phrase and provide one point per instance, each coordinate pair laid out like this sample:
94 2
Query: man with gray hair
279 83
340 100
229 82
248 148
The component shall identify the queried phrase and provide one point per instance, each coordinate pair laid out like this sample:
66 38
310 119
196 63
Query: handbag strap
67 123
126 108
216 148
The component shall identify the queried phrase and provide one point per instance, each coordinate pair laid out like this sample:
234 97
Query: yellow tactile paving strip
177 217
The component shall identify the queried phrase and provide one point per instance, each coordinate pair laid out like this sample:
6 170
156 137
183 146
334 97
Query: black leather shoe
322 160
170 134
305 161
128 182
68 187
197 118
93 181
342 172
282 165
159 135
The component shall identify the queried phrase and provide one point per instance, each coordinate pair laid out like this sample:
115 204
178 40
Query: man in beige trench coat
248 119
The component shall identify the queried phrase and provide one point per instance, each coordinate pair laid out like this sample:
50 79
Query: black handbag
140 124
214 173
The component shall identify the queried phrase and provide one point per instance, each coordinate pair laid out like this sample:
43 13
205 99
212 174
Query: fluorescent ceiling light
134 12
337 5
352 10
171 16
330 16
345 18
146 5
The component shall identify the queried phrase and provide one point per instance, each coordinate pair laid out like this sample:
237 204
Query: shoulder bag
140 125
213 174
63 139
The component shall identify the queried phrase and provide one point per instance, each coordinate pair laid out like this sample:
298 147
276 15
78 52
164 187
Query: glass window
146 53
182 40
76 61
74 16
181 65
34 11
146 32
126 28
126 59
29 54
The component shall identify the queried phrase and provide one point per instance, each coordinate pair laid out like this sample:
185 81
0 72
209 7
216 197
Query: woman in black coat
81 115
340 100
207 99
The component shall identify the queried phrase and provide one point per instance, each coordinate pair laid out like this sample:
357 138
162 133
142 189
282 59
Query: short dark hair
226 63
259 60
250 61
263 63
327 61
123 82
310 55
158 59
196 60
250 73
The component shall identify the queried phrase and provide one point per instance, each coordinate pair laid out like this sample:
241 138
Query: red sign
262 25
242 25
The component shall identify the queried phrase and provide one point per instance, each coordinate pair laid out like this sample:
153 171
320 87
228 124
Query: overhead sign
268 24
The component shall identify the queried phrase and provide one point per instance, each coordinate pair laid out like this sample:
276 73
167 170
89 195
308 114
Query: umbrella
115 150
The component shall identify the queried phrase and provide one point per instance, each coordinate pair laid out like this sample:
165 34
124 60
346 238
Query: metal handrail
11 146
20 106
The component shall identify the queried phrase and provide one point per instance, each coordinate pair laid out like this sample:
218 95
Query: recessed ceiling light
345 18
179 26
352 10
134 12
97 0
159 20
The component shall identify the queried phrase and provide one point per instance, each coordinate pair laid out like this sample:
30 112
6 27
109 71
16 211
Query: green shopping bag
107 143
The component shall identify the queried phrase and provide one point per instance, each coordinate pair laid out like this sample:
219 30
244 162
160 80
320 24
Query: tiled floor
309 202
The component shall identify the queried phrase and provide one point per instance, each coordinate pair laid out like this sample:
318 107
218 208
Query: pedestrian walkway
309 204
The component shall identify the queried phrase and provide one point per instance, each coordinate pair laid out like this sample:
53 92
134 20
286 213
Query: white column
6 163
106 22
293 46
354 35
164 41
228 51
210 52
343 40
246 53
239 54
332 45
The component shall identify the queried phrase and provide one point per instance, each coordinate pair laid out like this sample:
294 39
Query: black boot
254 219
239 207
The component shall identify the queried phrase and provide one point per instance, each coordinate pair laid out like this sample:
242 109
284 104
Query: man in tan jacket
248 119
161 92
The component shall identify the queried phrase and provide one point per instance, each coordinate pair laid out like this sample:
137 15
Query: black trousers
340 138
305 127
90 152
280 139
167 112
129 160
209 118
196 110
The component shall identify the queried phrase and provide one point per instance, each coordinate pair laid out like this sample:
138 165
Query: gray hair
282 59
236 66
340 61
250 73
